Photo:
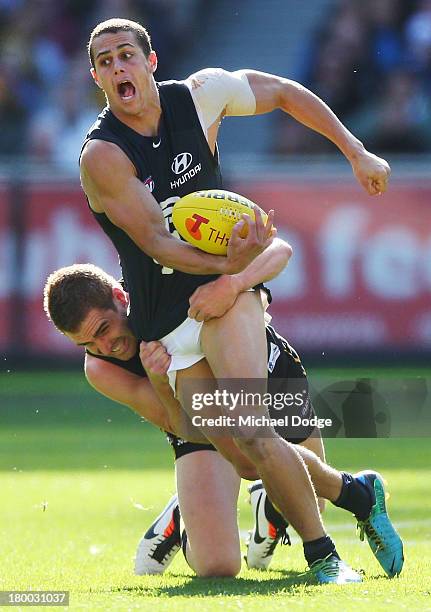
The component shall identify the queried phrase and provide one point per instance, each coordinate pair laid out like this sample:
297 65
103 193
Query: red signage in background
60 231
7 250
360 275
359 278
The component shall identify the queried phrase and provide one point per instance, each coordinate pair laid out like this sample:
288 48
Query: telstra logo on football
193 224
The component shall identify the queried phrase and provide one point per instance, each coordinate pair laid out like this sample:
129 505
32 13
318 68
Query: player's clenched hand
154 358
214 299
372 172
259 235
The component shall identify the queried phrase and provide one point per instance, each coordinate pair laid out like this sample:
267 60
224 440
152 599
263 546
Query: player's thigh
191 379
235 344
208 488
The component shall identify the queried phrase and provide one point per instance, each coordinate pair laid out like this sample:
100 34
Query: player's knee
253 448
322 504
244 468
223 566
246 472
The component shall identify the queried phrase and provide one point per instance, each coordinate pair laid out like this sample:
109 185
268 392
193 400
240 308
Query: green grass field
81 478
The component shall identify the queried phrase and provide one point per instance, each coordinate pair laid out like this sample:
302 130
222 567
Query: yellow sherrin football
205 218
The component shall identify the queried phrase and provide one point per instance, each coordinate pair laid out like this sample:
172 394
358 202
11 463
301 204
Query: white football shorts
184 346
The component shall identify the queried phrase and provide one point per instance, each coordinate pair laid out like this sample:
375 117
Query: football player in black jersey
148 135
145 137
86 297
207 484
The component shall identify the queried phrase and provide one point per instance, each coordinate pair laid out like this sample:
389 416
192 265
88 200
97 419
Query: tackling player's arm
137 392
265 267
214 299
119 385
155 360
109 180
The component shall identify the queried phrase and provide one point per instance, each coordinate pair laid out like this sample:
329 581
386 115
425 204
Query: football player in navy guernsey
84 302
163 136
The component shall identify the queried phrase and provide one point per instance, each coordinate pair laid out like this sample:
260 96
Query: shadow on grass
287 581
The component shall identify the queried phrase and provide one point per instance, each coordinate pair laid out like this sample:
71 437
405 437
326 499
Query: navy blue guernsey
133 365
176 162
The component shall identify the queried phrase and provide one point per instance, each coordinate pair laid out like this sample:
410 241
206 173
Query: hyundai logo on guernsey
181 163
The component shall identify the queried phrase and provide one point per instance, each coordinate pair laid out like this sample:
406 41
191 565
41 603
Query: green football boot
333 570
384 541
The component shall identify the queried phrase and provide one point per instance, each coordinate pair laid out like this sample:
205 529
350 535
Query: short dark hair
112 26
71 292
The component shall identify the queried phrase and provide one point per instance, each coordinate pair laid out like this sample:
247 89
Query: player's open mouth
120 348
126 90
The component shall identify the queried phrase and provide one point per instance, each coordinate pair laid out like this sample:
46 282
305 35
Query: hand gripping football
205 218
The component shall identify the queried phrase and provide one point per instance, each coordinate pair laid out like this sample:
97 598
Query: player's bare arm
155 360
219 93
273 92
140 394
214 299
130 206
128 389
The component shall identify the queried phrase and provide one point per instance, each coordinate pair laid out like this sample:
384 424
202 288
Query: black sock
354 497
184 546
274 516
319 549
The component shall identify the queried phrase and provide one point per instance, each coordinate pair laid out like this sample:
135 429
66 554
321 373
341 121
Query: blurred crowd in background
47 97
370 60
